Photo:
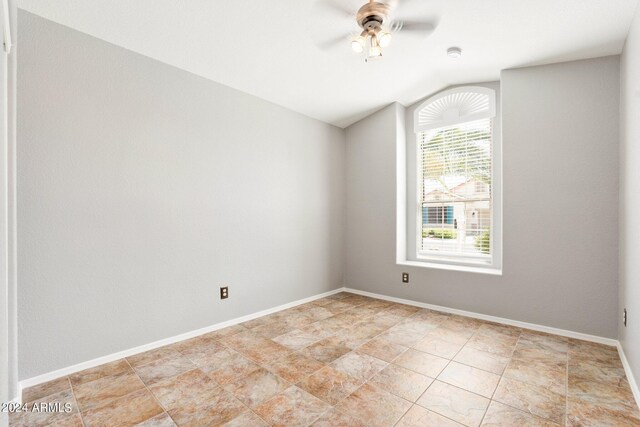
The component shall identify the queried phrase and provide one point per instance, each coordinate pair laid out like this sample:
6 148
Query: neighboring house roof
432 186
457 187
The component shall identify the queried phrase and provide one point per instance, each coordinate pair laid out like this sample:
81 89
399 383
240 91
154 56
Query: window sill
451 267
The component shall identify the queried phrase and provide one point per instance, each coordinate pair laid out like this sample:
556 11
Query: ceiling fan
375 20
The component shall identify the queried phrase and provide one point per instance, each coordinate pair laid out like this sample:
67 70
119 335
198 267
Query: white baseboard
630 377
517 323
30 382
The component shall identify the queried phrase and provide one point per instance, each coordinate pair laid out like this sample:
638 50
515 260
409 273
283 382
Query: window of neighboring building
455 169
437 215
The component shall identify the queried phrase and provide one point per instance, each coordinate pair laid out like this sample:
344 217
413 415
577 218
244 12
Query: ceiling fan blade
394 5
334 42
336 7
413 26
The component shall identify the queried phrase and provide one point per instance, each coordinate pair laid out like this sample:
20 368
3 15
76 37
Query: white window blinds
455 209
455 192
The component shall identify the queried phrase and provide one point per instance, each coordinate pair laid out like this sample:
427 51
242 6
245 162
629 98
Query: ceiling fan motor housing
371 16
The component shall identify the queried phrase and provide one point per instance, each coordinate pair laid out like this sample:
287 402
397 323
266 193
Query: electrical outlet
405 277
224 292
624 317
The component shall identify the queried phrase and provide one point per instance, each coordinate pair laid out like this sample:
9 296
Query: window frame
407 254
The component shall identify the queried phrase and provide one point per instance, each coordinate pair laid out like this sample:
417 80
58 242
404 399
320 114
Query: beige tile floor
349 360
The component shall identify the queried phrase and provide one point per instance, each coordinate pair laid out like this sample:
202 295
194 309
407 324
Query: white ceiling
269 48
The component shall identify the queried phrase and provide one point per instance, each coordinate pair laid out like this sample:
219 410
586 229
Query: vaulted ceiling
270 49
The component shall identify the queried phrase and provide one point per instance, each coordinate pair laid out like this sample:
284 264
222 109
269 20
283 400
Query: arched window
455 161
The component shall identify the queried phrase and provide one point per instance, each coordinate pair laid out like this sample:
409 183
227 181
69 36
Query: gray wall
371 194
630 196
143 188
560 179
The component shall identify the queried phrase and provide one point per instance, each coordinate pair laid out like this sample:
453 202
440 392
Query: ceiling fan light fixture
374 19
374 50
384 38
357 44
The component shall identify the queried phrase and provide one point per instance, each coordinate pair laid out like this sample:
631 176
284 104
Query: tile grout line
529 384
415 314
73 393
378 336
150 392
247 406
219 341
351 351
261 365
196 367
445 367
491 400
222 386
466 342
333 407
